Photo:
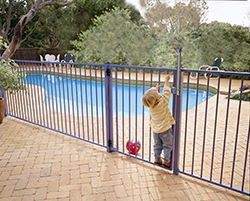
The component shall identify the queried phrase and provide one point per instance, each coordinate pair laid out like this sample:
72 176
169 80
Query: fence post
177 110
109 106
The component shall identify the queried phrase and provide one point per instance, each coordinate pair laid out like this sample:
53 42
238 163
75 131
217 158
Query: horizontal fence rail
101 104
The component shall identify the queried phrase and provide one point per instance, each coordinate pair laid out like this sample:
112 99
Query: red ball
131 146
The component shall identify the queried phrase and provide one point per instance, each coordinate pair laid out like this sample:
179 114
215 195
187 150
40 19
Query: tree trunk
17 37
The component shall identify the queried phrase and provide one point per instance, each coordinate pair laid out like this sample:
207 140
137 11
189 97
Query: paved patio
40 164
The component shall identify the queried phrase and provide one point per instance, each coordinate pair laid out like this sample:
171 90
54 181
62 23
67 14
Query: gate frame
177 112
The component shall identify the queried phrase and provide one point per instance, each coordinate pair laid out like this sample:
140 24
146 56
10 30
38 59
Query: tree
56 26
115 38
223 40
31 13
180 17
79 17
165 51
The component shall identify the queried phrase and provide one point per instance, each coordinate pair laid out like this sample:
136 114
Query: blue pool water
66 95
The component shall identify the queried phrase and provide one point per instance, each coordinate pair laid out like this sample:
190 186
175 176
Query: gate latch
175 91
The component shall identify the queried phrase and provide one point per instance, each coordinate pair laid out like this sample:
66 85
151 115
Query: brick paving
40 164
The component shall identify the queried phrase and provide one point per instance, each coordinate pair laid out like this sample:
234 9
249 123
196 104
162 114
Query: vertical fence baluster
45 92
52 80
215 127
68 98
86 99
143 108
237 130
20 95
129 106
14 108
60 95
40 95
56 80
32 97
102 99
116 110
109 106
225 133
186 123
48 97
72 98
15 97
64 99
97 115
123 109
36 91
37 96
205 128
24 92
77 106
150 131
136 113
195 122
82 93
91 101
245 163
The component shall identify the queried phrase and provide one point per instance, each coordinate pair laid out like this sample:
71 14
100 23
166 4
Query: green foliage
245 97
63 25
9 79
42 51
56 26
223 40
116 39
181 17
165 51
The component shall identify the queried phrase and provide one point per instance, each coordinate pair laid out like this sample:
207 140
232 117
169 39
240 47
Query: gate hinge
110 143
108 72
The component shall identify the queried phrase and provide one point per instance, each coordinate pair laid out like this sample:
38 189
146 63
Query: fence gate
127 118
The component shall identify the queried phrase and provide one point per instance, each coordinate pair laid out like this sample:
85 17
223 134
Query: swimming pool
72 95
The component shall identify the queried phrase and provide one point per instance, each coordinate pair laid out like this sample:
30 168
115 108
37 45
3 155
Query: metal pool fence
101 104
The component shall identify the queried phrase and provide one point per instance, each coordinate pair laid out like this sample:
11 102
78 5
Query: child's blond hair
149 98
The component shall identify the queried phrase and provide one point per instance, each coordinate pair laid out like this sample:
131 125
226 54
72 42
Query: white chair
41 58
58 58
215 67
50 58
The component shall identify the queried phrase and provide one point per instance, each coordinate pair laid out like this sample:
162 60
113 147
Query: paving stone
41 194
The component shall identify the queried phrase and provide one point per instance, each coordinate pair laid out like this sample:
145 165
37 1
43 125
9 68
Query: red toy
131 146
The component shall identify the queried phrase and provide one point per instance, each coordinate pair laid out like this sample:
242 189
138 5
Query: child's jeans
163 141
